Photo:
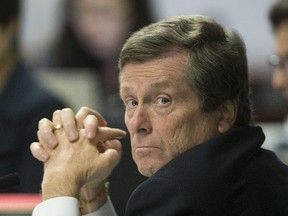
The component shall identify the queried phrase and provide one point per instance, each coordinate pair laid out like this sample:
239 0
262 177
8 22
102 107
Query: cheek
176 137
187 133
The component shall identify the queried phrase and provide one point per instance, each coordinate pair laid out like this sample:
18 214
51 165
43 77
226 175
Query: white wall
41 20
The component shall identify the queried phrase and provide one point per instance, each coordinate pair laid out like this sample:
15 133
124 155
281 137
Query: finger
100 147
69 124
56 119
90 126
110 158
84 112
106 162
45 132
113 144
109 144
38 152
107 133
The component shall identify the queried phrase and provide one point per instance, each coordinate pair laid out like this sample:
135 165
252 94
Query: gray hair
218 64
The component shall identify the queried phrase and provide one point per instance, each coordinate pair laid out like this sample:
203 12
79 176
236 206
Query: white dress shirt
69 206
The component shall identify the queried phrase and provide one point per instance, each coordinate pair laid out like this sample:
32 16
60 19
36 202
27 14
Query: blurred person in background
279 20
93 34
22 104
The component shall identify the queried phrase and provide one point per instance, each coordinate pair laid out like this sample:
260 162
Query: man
22 103
279 19
184 83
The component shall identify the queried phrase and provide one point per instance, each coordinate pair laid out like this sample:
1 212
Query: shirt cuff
69 206
59 206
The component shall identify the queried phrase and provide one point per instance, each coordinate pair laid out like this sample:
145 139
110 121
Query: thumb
109 159
38 152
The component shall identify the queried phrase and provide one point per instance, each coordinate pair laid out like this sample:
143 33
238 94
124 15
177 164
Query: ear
227 116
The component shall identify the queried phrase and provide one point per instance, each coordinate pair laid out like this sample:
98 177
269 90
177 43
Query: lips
143 146
145 150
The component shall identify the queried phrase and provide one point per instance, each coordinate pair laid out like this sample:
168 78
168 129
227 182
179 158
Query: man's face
101 25
280 76
163 114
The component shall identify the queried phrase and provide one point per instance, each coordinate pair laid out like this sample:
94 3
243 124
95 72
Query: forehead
101 6
171 66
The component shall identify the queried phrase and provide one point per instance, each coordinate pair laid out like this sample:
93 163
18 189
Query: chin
148 168
147 172
145 168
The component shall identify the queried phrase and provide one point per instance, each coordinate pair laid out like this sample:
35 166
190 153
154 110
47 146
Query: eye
131 103
163 100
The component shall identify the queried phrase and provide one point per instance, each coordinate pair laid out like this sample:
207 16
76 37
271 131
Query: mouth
145 150
144 147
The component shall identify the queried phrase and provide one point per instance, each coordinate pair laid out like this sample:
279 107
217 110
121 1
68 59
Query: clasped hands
79 156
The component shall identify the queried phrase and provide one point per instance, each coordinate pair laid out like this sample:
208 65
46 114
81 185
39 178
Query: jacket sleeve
69 206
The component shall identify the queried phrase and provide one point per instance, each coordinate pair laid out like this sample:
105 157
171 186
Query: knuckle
33 148
82 112
67 109
43 123
56 112
92 118
84 109
45 132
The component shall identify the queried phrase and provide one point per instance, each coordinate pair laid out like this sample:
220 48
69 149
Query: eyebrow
154 85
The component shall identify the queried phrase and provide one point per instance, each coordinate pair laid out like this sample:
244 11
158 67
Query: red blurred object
18 203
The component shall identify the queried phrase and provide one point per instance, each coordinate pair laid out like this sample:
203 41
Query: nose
279 78
139 122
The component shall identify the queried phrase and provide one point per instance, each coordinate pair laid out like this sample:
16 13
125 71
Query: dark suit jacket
22 104
230 175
